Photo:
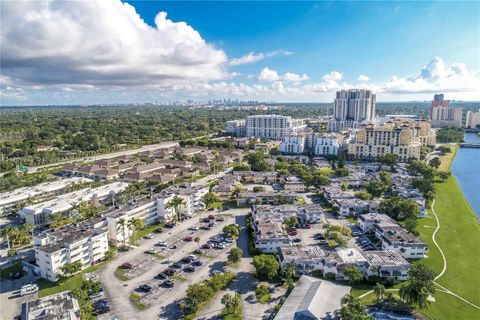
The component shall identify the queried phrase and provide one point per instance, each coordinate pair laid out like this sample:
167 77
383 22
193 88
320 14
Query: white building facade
352 108
273 127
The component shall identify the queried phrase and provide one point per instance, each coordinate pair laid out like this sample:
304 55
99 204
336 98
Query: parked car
177 265
161 244
170 224
211 217
189 269
159 230
197 263
173 247
28 289
219 246
206 220
126 265
211 224
188 238
297 240
194 228
152 251
214 272
292 232
206 246
220 219
168 284
228 240
145 288
148 236
162 275
186 259
169 272
200 251
97 295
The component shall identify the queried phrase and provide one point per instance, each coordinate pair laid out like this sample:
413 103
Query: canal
466 169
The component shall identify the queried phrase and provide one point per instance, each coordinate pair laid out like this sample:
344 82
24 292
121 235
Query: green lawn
11 271
120 274
143 232
459 238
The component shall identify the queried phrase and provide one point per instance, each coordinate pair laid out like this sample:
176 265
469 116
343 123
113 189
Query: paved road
119 294
166 144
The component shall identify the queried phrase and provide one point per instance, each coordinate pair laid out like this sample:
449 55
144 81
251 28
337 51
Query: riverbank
459 238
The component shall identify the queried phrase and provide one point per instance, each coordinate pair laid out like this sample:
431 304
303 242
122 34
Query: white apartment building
191 195
58 306
38 214
9 201
352 108
293 144
68 244
236 127
273 126
397 239
473 119
326 144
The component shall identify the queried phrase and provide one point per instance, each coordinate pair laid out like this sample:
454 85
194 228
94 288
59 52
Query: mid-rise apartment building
236 127
273 126
320 144
352 108
58 306
442 115
68 244
403 138
473 120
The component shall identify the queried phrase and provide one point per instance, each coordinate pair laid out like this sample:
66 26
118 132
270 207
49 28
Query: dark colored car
220 219
162 275
206 220
177 265
297 240
145 287
187 259
126 265
169 272
189 269
206 246
170 225
168 283
197 263
188 238
211 217
159 230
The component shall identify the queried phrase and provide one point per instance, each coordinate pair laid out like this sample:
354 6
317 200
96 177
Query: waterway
466 169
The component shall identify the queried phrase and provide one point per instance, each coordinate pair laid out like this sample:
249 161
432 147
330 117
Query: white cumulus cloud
363 78
269 75
101 43
254 57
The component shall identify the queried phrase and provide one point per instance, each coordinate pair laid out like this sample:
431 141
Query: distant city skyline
89 52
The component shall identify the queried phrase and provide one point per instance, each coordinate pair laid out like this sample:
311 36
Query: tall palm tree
122 224
135 224
8 232
175 203
379 290
28 228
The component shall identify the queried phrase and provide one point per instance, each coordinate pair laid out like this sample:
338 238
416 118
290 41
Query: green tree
266 266
258 189
289 271
69 269
197 294
389 159
209 198
135 224
352 308
435 162
197 241
420 286
234 255
262 293
290 222
379 290
175 203
232 230
353 274
399 208
122 225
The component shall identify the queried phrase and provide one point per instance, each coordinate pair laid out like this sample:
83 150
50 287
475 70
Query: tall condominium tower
442 115
351 108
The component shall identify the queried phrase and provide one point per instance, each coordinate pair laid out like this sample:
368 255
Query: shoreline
458 237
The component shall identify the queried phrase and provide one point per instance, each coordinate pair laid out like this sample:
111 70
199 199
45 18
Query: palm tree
135 224
28 228
175 203
379 290
411 295
352 308
8 232
122 223
197 240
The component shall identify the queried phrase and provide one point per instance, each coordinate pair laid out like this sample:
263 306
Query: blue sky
283 51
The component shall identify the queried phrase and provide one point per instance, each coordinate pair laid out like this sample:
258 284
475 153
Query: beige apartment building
401 137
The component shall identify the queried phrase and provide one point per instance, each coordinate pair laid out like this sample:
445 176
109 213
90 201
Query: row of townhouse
345 202
55 248
392 236
9 201
269 233
387 265
39 213
247 197
265 177
226 186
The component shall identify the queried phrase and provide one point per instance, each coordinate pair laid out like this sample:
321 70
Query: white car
152 250
162 244
194 228
28 289
148 236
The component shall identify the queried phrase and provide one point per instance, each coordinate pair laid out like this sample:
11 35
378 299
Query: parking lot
146 267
